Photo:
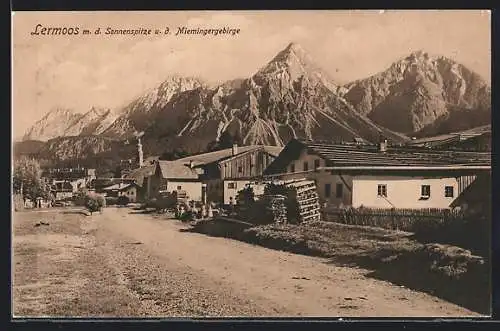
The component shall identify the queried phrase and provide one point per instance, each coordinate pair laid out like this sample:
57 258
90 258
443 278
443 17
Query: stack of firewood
307 200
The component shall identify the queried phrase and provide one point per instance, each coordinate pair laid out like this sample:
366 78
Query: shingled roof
140 173
206 158
176 170
349 155
366 156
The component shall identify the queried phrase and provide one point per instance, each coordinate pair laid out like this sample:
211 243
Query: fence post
393 216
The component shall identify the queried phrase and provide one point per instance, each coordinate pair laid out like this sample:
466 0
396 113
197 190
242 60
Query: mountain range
289 97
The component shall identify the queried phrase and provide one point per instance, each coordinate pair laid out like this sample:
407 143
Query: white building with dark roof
380 176
218 175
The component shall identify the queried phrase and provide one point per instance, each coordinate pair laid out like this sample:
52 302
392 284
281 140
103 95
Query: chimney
191 164
235 149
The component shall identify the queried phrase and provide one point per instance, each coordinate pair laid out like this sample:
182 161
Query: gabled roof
349 155
140 173
271 150
451 137
176 170
119 187
206 158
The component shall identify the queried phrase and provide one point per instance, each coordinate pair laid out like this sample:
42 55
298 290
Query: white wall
130 193
193 189
79 182
402 192
233 192
322 178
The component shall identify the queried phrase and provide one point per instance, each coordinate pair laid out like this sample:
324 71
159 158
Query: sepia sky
79 72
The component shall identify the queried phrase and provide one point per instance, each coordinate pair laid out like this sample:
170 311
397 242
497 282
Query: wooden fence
395 219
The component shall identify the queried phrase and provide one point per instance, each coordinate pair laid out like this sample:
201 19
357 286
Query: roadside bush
123 200
80 197
472 233
94 202
166 201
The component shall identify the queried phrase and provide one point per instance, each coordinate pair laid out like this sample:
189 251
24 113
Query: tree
175 154
166 201
94 202
118 172
226 140
27 179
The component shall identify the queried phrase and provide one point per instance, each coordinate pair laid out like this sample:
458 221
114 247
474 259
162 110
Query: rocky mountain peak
417 90
52 124
294 64
296 50
293 58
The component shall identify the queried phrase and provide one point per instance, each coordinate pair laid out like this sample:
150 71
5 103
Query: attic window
306 166
292 167
316 164
240 169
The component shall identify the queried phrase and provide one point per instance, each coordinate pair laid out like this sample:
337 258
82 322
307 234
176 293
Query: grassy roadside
58 272
446 271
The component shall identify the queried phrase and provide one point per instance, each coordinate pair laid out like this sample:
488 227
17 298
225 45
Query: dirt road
122 264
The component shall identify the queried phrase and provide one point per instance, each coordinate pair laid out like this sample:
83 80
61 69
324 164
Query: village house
62 190
122 189
477 139
380 176
175 176
216 176
142 178
78 177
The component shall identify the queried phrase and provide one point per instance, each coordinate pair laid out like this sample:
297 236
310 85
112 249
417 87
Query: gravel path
143 265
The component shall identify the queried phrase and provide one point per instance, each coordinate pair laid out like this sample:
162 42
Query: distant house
175 176
240 169
142 177
99 184
219 175
122 189
477 139
62 190
380 176
78 177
